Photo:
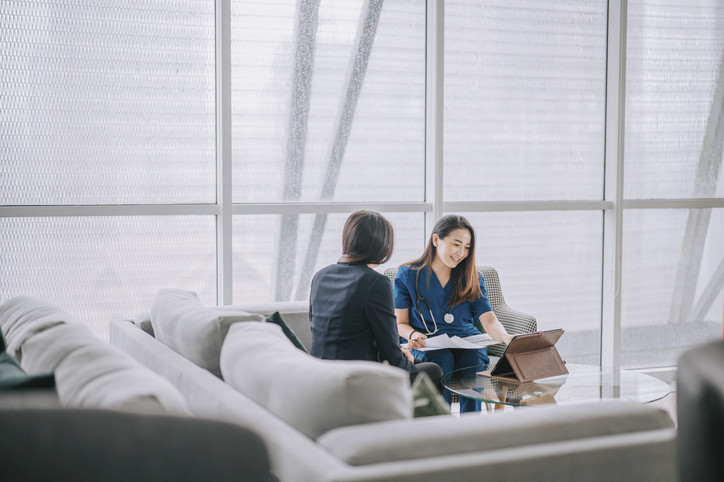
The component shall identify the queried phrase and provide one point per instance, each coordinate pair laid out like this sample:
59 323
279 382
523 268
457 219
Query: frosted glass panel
322 112
674 99
549 265
107 102
104 268
524 100
673 275
257 262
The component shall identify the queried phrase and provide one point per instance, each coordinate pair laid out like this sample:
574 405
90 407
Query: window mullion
434 94
613 187
224 264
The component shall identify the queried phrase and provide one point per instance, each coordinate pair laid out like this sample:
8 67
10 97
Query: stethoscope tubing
429 308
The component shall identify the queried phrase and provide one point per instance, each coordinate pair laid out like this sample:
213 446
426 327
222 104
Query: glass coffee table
582 383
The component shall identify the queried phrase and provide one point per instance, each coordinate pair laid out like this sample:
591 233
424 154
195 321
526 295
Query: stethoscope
449 317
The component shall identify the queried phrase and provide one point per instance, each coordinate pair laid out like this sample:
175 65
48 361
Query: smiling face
452 249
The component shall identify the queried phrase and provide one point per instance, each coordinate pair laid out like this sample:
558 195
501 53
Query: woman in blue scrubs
442 292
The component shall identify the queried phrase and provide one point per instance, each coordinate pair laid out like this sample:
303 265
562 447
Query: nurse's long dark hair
464 277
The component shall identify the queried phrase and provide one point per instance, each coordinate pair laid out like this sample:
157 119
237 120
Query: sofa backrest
89 372
294 313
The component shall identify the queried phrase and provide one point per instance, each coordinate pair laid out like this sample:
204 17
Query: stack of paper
469 342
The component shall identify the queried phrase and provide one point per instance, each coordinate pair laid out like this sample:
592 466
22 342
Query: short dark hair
367 238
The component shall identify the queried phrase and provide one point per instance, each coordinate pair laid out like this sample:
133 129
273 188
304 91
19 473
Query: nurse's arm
406 331
492 327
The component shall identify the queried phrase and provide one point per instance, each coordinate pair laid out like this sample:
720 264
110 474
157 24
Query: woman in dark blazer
351 306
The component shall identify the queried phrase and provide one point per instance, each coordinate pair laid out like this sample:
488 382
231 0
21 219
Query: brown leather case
531 356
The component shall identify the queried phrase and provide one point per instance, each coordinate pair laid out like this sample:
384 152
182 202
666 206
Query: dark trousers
433 371
453 359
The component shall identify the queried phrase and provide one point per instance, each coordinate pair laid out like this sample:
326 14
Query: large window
219 145
328 103
673 259
525 90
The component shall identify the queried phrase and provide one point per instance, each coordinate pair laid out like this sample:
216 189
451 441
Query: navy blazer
351 309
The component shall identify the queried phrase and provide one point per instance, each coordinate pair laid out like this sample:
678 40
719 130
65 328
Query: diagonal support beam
306 38
366 30
697 224
708 296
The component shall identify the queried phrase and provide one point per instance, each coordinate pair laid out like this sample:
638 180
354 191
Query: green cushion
426 400
12 377
276 318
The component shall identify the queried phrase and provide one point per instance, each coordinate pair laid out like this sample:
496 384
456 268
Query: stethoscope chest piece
449 317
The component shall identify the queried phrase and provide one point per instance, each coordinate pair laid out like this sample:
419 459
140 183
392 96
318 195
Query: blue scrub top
439 298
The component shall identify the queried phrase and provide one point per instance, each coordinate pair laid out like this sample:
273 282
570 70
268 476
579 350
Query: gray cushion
91 373
180 321
23 316
310 394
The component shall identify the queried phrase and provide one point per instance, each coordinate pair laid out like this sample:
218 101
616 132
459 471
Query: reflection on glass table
582 383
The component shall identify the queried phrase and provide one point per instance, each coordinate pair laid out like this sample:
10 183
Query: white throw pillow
195 331
91 373
312 395
23 316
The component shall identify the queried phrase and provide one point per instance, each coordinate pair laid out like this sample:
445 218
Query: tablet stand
530 357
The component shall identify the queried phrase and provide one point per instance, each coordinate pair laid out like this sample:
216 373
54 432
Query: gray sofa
100 415
42 440
605 441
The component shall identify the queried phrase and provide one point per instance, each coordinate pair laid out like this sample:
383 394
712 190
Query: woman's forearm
494 327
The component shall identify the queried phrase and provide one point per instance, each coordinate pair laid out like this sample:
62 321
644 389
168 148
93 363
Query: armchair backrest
490 276
514 321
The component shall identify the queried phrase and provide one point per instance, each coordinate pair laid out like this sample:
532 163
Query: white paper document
469 342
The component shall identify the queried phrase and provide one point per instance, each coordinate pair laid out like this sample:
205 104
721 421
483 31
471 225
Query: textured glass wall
105 268
328 104
671 290
549 265
673 259
107 102
524 100
524 120
328 100
255 257
674 92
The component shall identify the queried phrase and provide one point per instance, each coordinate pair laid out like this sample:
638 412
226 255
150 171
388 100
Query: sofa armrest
446 435
629 457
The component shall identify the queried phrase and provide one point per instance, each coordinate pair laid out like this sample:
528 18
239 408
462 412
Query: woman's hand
407 353
417 339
